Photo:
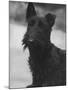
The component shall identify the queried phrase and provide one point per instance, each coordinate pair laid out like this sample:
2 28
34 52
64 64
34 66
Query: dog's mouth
36 48
32 44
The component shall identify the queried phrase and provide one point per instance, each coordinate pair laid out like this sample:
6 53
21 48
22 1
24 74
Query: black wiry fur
47 62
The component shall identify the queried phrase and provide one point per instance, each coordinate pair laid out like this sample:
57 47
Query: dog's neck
38 53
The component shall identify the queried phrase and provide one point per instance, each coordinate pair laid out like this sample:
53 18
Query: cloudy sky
20 75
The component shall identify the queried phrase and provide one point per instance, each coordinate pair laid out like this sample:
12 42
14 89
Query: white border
4 44
45 1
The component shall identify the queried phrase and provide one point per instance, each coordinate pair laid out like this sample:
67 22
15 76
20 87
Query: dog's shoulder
58 55
57 51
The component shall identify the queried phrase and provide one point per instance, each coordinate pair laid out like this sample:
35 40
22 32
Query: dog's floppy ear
50 19
30 11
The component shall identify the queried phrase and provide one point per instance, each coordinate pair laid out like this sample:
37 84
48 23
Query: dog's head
39 28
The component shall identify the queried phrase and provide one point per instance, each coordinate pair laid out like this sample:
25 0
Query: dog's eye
32 22
41 24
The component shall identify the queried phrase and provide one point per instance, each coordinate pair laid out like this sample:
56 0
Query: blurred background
20 75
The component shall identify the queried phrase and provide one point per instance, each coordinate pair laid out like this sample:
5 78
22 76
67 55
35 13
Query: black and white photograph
37 44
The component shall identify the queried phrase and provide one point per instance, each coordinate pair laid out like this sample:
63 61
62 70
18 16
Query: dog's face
39 28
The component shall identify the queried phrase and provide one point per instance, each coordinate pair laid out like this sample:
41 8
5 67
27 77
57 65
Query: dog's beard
36 44
24 45
33 47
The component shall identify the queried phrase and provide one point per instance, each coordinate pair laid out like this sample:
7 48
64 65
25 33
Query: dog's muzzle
31 42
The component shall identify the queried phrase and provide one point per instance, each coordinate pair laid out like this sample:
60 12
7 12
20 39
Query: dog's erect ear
50 19
30 11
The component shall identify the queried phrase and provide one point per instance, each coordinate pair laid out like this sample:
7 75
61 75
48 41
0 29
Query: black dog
47 62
